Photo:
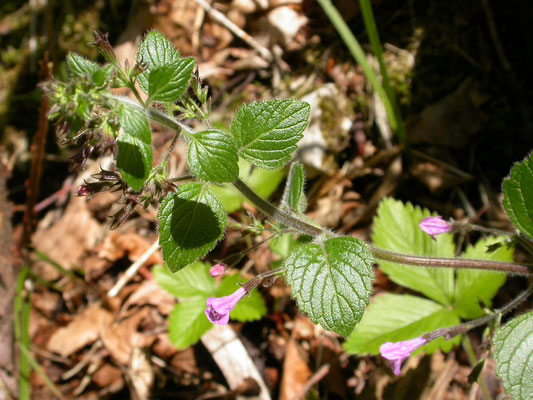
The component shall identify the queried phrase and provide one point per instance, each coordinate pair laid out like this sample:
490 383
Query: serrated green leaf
518 196
166 83
192 281
332 282
213 156
80 67
134 159
190 224
395 318
267 132
396 229
513 353
293 195
154 51
262 181
475 286
250 308
187 323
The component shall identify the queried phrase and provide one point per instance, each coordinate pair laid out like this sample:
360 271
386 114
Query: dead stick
132 270
317 377
37 152
222 19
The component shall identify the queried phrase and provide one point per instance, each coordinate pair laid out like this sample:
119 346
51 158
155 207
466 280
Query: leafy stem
307 228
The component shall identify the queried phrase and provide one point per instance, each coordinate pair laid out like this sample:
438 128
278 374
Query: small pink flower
217 270
218 309
434 226
399 351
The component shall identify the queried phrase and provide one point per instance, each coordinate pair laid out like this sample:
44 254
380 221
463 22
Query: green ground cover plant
330 275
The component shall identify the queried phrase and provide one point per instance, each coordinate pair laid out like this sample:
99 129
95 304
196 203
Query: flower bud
217 270
434 226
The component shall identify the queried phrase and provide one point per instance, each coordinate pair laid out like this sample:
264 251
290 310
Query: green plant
330 275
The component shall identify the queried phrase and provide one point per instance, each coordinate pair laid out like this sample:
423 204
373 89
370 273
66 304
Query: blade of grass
359 55
22 310
21 323
371 29
37 368
54 264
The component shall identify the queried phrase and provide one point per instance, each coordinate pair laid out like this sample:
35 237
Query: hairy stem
277 214
459 263
451 332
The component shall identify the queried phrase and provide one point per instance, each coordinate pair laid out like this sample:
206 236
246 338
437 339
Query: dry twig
222 19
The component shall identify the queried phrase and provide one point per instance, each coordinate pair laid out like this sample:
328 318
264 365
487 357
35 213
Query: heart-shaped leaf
332 282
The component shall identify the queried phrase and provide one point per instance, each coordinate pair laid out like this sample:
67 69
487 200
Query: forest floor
461 73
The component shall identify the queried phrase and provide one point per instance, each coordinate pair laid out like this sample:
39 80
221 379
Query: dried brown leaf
121 337
81 331
118 245
296 371
67 240
149 292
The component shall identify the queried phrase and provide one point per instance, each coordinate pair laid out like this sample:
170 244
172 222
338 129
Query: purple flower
399 351
217 270
218 309
434 226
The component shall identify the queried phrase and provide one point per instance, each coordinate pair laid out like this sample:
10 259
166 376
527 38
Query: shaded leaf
476 372
396 229
134 144
294 195
187 323
473 286
190 224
